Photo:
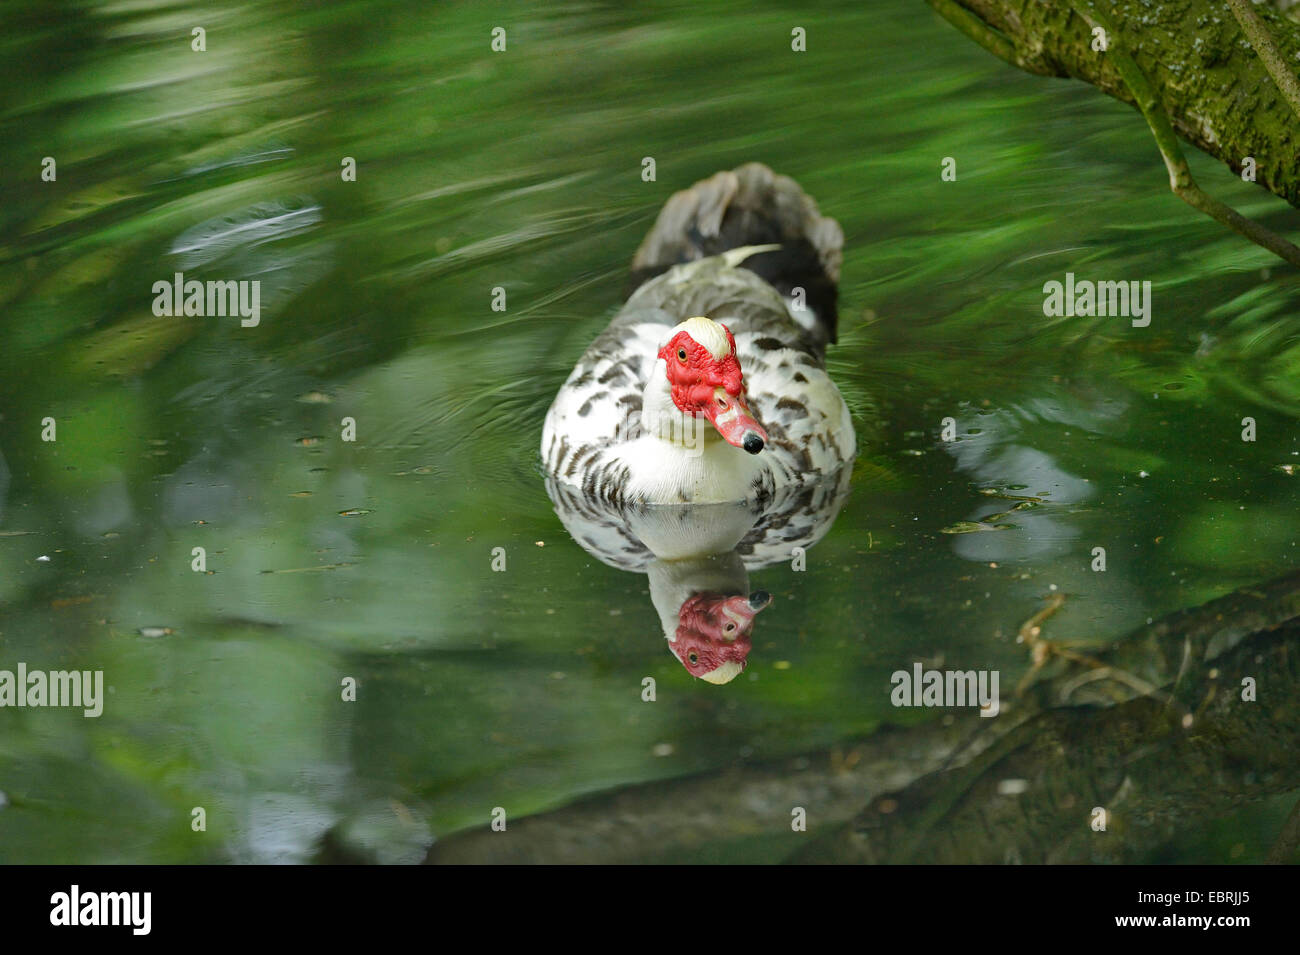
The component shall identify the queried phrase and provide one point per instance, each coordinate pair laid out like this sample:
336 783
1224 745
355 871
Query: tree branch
977 30
1215 91
1180 175
1268 52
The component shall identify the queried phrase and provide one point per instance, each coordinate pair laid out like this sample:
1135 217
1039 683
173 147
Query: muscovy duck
709 385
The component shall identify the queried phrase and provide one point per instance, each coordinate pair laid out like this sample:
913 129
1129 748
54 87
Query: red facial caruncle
708 381
713 634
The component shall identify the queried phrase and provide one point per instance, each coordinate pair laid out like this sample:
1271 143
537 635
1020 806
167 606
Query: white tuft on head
708 333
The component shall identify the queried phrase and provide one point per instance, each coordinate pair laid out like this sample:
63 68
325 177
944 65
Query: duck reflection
698 558
706 613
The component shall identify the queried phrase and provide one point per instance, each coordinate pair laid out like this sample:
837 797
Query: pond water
371 559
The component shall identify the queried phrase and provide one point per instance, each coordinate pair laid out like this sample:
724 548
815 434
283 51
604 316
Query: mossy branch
1190 72
1180 174
976 29
1267 51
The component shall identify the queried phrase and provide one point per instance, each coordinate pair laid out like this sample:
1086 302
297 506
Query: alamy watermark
75 688
1085 298
130 909
941 688
213 299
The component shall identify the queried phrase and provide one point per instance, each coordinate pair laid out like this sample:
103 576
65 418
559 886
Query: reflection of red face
713 634
713 387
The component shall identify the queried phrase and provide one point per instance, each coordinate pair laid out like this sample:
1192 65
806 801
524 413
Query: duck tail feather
752 206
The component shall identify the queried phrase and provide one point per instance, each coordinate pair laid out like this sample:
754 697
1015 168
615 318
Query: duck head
707 613
714 634
697 376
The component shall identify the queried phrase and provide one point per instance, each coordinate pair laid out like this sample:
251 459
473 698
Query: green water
371 559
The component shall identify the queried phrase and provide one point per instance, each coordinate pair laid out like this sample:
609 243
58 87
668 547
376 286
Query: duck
710 385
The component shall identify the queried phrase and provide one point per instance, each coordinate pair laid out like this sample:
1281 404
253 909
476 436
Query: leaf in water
971 527
1003 495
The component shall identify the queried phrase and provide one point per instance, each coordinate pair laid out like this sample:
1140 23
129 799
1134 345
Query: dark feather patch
790 404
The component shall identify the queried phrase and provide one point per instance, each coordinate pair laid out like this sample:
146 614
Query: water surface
521 170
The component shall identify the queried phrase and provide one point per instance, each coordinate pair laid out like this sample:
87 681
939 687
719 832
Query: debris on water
44 559
355 512
781 665
301 494
1012 787
156 631
309 441
662 749
1003 495
304 570
316 398
972 527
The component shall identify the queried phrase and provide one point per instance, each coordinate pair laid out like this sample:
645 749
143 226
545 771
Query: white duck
709 385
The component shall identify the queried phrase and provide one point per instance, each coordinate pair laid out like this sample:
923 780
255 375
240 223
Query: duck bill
734 421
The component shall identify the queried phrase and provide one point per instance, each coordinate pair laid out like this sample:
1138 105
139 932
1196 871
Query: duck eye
693 657
681 355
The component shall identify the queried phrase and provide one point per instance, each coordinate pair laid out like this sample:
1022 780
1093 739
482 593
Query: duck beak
730 415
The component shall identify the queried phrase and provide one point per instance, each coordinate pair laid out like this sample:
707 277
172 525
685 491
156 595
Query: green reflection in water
371 559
